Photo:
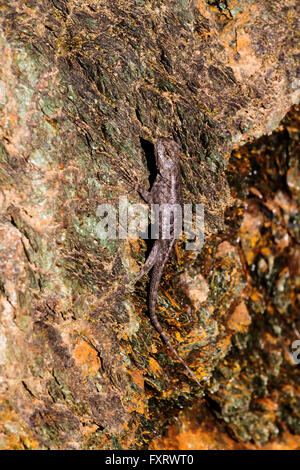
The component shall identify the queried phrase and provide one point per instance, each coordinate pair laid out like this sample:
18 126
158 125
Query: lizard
166 189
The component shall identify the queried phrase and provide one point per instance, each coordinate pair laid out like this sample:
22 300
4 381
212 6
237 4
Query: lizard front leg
144 193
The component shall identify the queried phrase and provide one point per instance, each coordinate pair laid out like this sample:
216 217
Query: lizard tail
152 311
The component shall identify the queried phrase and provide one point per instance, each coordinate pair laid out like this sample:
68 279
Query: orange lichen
251 236
138 377
210 435
240 319
87 358
155 367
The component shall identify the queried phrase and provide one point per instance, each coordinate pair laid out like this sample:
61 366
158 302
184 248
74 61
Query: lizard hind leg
150 262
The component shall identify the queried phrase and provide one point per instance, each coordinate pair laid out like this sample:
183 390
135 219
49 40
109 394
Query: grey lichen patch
2 93
39 159
86 226
23 94
52 104
134 322
29 63
3 343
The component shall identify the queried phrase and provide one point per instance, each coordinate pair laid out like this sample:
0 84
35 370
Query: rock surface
84 89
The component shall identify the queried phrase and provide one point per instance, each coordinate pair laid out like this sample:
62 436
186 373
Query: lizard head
167 156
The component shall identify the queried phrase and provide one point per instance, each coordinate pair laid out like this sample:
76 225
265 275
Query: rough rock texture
85 86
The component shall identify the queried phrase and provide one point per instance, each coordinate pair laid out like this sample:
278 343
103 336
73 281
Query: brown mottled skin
166 189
